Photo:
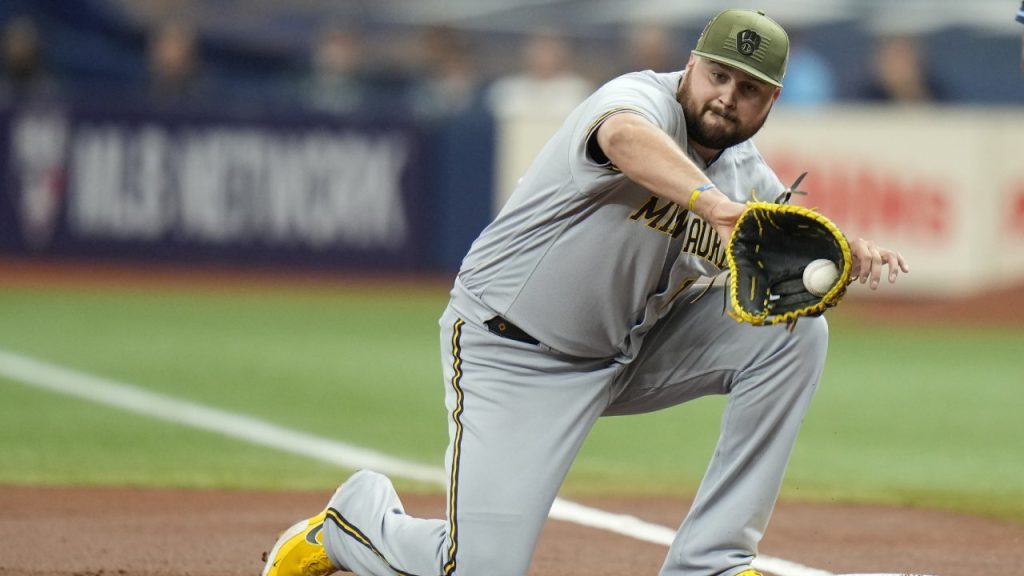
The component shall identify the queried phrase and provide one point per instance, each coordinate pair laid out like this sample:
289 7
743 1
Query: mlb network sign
179 187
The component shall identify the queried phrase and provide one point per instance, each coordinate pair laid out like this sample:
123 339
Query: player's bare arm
649 157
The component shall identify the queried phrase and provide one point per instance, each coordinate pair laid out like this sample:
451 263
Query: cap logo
747 42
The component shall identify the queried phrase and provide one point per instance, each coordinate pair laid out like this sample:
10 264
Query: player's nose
727 95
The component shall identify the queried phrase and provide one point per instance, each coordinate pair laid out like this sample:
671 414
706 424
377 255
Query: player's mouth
727 117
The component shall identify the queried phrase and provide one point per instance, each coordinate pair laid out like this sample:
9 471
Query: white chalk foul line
39 374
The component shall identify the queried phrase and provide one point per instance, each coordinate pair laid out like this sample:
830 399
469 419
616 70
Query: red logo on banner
869 201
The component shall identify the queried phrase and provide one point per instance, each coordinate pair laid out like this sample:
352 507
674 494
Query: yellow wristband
696 192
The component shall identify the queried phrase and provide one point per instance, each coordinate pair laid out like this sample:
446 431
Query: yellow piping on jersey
606 115
453 528
347 527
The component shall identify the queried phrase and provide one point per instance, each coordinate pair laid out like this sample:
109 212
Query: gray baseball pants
518 413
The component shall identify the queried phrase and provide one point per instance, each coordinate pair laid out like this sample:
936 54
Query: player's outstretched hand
869 259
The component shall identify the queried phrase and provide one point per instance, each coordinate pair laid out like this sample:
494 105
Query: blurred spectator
24 75
174 67
546 83
449 83
650 46
810 79
901 74
337 82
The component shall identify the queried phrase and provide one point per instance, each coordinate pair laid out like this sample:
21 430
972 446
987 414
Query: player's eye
751 89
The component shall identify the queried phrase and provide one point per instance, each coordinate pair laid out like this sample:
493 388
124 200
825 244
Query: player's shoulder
666 82
748 160
651 94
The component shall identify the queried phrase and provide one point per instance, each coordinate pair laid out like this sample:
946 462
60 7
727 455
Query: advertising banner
221 188
936 183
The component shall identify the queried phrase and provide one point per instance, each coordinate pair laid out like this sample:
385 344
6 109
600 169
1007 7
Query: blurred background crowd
384 133
434 58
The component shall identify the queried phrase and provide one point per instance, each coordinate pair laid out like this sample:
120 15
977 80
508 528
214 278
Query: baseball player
578 301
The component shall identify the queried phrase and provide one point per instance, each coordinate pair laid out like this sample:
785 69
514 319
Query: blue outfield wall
462 179
291 190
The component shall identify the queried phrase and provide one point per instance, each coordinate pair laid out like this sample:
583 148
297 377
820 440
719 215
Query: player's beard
723 130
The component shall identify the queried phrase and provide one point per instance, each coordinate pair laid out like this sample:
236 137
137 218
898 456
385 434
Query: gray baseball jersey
594 273
583 258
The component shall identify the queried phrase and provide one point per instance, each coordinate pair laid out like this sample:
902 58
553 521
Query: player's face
723 106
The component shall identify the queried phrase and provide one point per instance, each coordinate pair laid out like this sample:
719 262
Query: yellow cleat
300 551
750 573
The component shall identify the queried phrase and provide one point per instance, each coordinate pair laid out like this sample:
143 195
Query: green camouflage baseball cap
747 40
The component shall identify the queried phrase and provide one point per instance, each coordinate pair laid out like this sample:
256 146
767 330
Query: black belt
506 329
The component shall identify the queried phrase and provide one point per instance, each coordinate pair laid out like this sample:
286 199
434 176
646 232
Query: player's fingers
861 260
903 263
863 251
854 270
892 260
869 261
876 267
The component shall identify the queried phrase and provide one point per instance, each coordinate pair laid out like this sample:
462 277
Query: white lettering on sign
318 189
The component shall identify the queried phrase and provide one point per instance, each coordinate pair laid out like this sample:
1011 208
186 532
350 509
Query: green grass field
907 416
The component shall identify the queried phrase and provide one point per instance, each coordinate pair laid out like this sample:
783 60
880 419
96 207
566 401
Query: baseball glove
770 246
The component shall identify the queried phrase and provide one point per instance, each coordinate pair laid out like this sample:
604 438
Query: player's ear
691 61
776 94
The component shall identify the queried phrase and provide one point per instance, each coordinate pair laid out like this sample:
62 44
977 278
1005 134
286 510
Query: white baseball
819 276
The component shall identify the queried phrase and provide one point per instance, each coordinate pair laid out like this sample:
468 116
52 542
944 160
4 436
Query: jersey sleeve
637 93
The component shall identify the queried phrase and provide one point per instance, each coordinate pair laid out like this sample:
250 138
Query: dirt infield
135 532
